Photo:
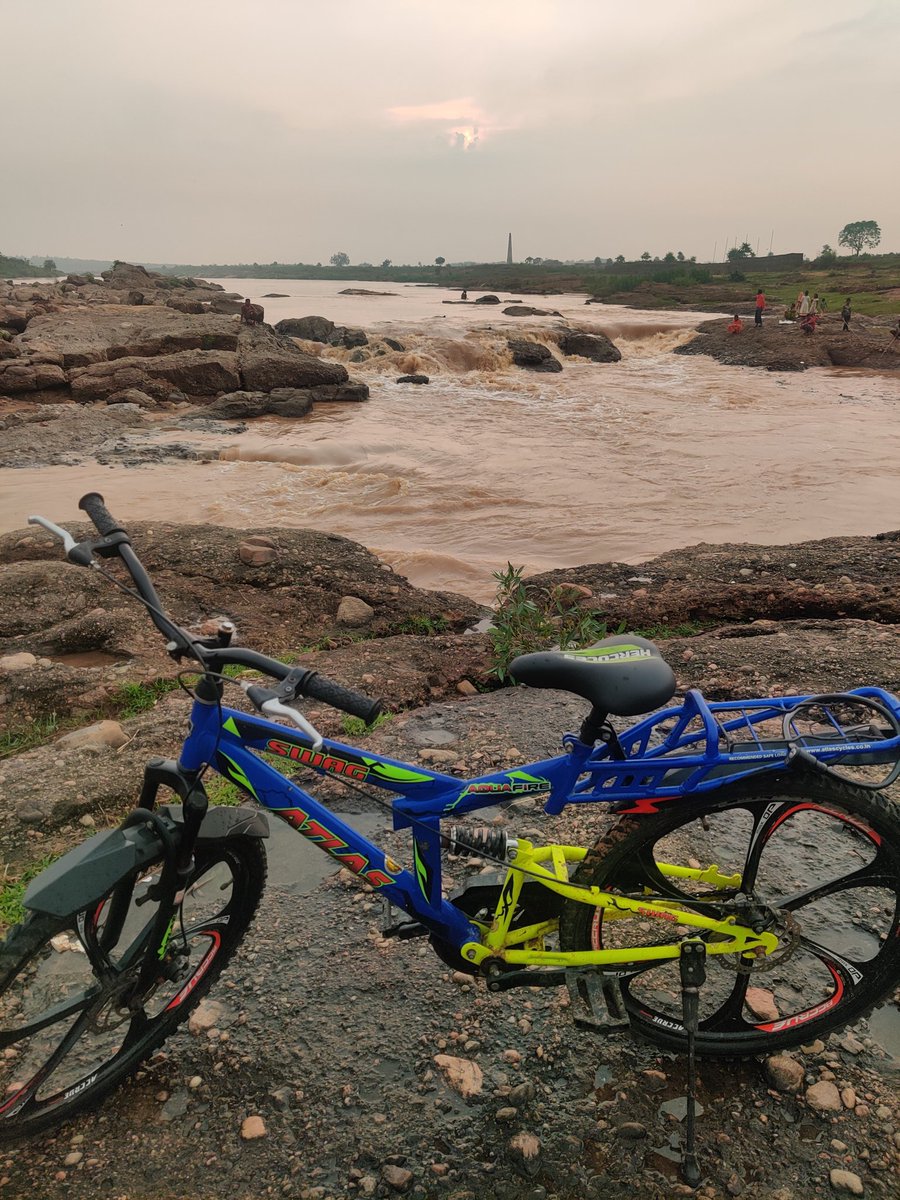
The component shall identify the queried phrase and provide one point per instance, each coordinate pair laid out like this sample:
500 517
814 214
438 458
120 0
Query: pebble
464 1076
253 1127
784 1073
823 1097
631 1130
848 1097
399 1178
846 1181
526 1146
72 1159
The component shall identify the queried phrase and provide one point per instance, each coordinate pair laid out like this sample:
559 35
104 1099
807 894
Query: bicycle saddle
624 675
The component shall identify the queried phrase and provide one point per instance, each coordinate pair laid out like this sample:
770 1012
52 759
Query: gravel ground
311 1070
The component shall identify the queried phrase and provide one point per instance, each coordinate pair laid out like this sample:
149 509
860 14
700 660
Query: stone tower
509 251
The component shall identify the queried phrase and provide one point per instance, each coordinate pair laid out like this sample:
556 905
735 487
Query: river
489 463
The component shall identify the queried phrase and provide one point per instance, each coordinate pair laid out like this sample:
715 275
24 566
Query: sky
202 131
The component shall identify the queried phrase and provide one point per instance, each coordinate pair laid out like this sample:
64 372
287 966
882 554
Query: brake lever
275 708
65 537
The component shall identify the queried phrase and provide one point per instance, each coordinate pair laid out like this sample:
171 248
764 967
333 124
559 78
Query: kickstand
693 976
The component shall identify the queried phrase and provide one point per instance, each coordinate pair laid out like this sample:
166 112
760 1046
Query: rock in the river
595 346
533 356
310 329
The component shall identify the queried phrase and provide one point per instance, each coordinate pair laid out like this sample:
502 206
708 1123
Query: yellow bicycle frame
525 946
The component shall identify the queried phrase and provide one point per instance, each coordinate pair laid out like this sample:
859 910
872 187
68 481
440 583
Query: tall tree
859 234
340 259
439 261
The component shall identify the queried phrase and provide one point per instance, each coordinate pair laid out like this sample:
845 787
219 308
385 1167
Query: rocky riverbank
783 345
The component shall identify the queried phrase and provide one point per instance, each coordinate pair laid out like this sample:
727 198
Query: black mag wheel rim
65 1034
822 877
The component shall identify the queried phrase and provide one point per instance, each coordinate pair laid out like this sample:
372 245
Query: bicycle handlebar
96 509
308 683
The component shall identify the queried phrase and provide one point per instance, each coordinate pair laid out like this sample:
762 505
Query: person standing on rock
803 307
814 306
846 314
760 305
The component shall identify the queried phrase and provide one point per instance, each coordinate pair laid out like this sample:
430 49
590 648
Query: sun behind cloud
463 122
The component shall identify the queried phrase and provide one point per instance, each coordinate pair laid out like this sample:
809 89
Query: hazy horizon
227 133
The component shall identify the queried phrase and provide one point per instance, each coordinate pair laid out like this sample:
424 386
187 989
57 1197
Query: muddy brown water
489 463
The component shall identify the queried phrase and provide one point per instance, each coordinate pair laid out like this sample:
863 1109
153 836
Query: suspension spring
484 840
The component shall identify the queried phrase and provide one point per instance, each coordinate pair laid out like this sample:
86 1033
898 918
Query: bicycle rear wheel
819 866
69 1031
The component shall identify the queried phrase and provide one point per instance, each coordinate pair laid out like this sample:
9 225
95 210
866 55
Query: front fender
86 874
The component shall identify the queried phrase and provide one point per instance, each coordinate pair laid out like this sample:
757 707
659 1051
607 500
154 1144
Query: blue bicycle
745 899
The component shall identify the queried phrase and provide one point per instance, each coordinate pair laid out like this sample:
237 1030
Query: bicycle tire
841 936
44 968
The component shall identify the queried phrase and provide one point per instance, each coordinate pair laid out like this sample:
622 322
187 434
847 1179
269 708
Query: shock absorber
491 842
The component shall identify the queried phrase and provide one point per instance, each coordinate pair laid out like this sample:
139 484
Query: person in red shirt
760 305
736 325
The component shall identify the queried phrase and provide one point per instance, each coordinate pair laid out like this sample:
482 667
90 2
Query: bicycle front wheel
812 860
71 1030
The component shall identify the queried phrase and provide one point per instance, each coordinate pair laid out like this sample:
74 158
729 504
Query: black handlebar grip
319 688
95 508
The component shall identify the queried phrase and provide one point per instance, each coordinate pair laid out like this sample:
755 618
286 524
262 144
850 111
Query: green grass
13 889
419 623
26 737
356 727
658 633
134 698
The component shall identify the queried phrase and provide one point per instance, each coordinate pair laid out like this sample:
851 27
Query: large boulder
533 356
525 310
18 375
268 361
347 337
282 402
196 372
127 276
595 346
91 335
311 329
13 317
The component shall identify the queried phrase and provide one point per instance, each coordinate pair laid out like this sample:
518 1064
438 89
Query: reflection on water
489 463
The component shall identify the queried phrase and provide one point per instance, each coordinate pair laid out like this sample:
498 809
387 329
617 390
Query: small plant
421 624
521 625
12 889
134 698
15 741
356 727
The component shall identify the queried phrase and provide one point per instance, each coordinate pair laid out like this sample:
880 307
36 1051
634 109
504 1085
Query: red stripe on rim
200 972
811 1013
876 838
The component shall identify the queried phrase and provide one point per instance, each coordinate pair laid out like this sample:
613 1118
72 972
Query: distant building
509 251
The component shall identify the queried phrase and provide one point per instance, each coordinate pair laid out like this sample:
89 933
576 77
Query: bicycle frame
687 760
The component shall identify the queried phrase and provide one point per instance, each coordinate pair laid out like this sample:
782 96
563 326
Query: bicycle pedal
597 1001
398 924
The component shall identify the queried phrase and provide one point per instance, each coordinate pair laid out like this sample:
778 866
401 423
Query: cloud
463 122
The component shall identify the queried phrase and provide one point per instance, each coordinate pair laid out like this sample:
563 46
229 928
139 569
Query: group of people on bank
805 310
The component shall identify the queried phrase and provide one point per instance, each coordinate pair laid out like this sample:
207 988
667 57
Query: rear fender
86 874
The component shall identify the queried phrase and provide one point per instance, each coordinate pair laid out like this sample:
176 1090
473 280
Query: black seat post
592 727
